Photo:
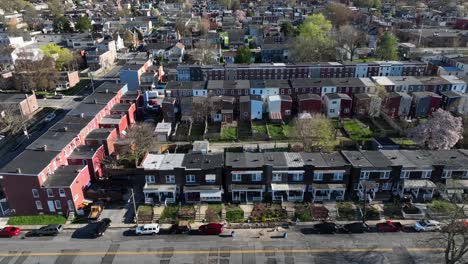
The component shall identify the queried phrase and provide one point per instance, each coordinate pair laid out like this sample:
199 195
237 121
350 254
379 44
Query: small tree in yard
243 55
316 132
11 120
441 131
142 139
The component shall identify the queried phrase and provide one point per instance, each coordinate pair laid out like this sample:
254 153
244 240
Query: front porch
203 193
367 190
287 192
418 189
156 193
327 192
247 193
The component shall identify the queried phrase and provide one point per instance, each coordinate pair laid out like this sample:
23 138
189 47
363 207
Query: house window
35 193
38 205
404 174
70 205
332 111
256 177
287 112
426 174
190 179
364 175
338 176
385 175
446 174
210 178
58 204
170 179
50 193
318 176
346 110
386 186
62 192
277 177
236 177
298 177
150 179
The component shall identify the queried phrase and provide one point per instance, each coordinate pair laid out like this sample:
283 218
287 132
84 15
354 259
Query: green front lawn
228 133
37 220
145 210
234 214
170 212
357 131
259 129
276 131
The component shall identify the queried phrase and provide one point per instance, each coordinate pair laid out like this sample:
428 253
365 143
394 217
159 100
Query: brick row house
296 177
282 71
51 175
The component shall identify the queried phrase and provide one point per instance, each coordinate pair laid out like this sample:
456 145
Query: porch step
200 212
332 210
223 212
71 216
157 211
290 208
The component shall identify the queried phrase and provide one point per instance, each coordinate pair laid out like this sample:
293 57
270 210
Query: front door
51 206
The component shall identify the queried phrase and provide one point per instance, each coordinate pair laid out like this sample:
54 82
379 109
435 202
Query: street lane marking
200 252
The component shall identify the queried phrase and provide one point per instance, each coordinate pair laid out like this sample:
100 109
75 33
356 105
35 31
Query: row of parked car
387 226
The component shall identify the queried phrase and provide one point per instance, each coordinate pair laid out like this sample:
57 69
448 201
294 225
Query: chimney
107 91
18 170
26 96
95 101
82 115
44 147
64 129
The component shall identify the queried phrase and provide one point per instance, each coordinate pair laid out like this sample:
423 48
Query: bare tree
376 101
34 75
454 236
316 132
142 139
204 52
11 120
349 39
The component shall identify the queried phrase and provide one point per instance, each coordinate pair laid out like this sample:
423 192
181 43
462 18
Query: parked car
100 227
180 227
49 230
389 226
50 117
211 229
10 231
357 227
326 228
427 225
58 96
148 229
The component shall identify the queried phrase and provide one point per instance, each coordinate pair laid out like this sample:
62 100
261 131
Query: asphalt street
118 246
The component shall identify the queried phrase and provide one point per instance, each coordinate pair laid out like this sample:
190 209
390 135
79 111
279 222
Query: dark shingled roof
203 161
63 176
30 162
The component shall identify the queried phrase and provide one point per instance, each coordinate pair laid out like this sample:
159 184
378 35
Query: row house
396 105
178 89
280 105
265 88
455 102
222 108
309 103
337 105
197 176
50 176
250 107
282 71
236 88
425 103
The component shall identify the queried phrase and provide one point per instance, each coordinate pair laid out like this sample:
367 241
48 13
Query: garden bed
357 131
276 131
310 212
186 212
268 213
213 213
145 213
259 131
169 214
346 211
234 213
37 220
440 209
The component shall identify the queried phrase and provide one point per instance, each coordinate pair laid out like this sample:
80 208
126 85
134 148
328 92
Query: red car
10 231
389 226
211 229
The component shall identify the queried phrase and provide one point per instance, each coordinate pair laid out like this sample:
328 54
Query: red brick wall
19 194
310 106
78 186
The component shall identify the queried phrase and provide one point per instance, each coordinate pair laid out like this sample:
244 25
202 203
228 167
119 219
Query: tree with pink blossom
441 131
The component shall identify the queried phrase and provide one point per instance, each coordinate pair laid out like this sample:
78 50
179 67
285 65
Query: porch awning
328 186
209 194
287 187
159 188
203 188
456 184
289 171
247 187
425 184
210 177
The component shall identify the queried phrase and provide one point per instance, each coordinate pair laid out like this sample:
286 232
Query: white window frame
236 177
50 193
338 176
426 174
318 176
446 174
385 175
256 177
190 179
210 181
277 177
62 192
364 175
58 204
150 179
71 205
39 205
405 174
386 186
170 178
297 176
35 193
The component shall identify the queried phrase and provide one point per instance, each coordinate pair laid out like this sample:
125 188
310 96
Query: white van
148 229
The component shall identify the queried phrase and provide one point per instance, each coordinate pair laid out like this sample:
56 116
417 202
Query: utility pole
364 208
134 207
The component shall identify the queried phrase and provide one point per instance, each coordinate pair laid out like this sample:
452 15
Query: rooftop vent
18 170
44 147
